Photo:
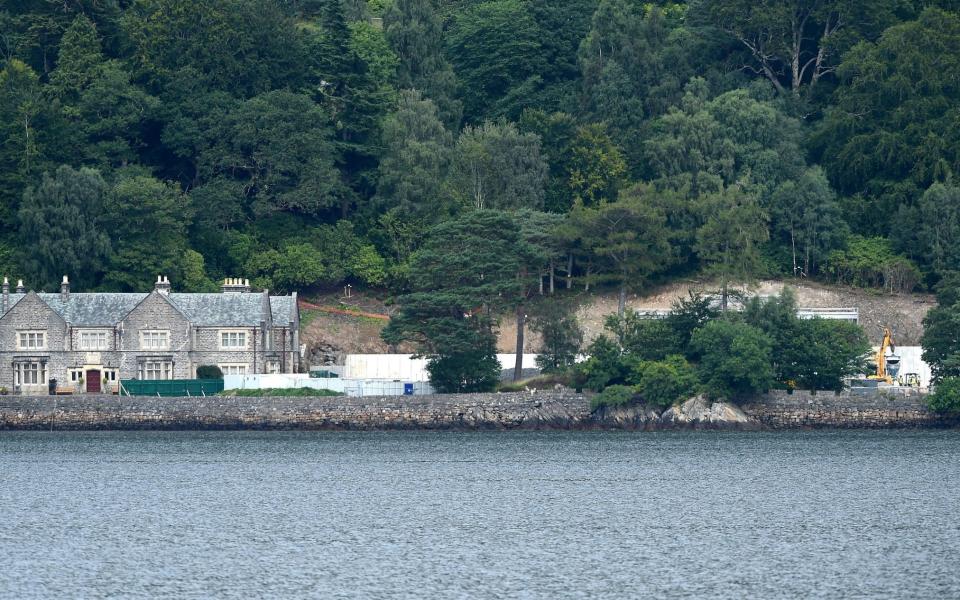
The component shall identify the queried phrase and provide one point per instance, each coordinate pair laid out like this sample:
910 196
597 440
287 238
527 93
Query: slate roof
203 310
284 310
93 310
221 310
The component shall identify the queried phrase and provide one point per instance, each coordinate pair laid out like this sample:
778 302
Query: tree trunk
622 303
553 268
521 324
723 297
793 247
570 271
540 281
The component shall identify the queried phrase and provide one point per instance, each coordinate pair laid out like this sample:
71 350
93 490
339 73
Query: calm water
480 515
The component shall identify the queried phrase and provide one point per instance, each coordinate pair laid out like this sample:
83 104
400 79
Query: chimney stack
65 289
20 288
235 285
162 285
6 295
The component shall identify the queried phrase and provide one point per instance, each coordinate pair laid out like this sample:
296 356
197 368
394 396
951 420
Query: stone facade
89 342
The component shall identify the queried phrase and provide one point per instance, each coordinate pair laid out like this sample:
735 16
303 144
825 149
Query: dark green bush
209 372
664 383
945 398
615 395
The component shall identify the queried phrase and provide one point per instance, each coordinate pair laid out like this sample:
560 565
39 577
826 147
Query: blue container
408 389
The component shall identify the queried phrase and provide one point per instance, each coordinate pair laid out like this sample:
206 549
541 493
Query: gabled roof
202 310
93 310
284 309
221 310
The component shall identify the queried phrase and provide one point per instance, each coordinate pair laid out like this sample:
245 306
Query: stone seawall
467 411
851 408
545 410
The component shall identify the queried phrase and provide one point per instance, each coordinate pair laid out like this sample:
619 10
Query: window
233 340
94 340
155 340
30 373
156 369
31 340
273 366
233 369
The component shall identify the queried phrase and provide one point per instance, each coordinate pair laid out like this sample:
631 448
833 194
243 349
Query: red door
93 381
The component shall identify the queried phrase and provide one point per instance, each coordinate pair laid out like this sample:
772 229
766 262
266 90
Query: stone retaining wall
542 410
468 411
852 408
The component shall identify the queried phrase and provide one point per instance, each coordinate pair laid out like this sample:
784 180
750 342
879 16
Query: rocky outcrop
696 413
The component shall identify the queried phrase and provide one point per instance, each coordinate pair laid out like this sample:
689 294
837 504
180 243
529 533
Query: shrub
664 383
945 398
615 395
735 358
209 372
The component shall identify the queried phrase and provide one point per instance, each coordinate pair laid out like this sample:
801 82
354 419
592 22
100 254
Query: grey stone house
87 342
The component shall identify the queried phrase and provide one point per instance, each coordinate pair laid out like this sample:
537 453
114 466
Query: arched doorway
92 378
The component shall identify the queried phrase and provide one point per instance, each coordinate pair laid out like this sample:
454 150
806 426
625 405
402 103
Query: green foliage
612 397
465 272
148 221
813 354
889 133
61 228
415 164
209 372
941 331
560 334
495 50
643 338
689 314
264 124
945 398
664 383
495 166
872 262
734 358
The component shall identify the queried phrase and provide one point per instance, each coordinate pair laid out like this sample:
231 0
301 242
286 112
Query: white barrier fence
407 368
347 386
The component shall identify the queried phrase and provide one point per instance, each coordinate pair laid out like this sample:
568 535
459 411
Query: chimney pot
20 288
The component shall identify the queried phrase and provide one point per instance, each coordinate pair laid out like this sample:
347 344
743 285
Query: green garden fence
171 387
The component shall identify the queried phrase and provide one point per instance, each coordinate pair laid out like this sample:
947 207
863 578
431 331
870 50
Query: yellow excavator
887 366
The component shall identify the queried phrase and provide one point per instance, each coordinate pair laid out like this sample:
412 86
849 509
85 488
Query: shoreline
551 410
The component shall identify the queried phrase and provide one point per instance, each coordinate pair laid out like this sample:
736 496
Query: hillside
329 335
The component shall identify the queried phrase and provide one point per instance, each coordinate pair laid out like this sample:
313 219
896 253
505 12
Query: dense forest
466 155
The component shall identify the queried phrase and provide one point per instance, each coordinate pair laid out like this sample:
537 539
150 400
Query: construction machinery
888 365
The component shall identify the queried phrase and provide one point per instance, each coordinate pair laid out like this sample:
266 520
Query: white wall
350 387
911 362
407 368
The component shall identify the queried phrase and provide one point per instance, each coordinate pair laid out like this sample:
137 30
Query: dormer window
31 340
154 340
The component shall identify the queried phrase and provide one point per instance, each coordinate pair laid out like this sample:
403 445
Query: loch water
822 514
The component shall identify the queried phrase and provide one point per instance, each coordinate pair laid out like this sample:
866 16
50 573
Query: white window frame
241 336
101 335
273 367
24 339
234 368
162 368
21 370
162 334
